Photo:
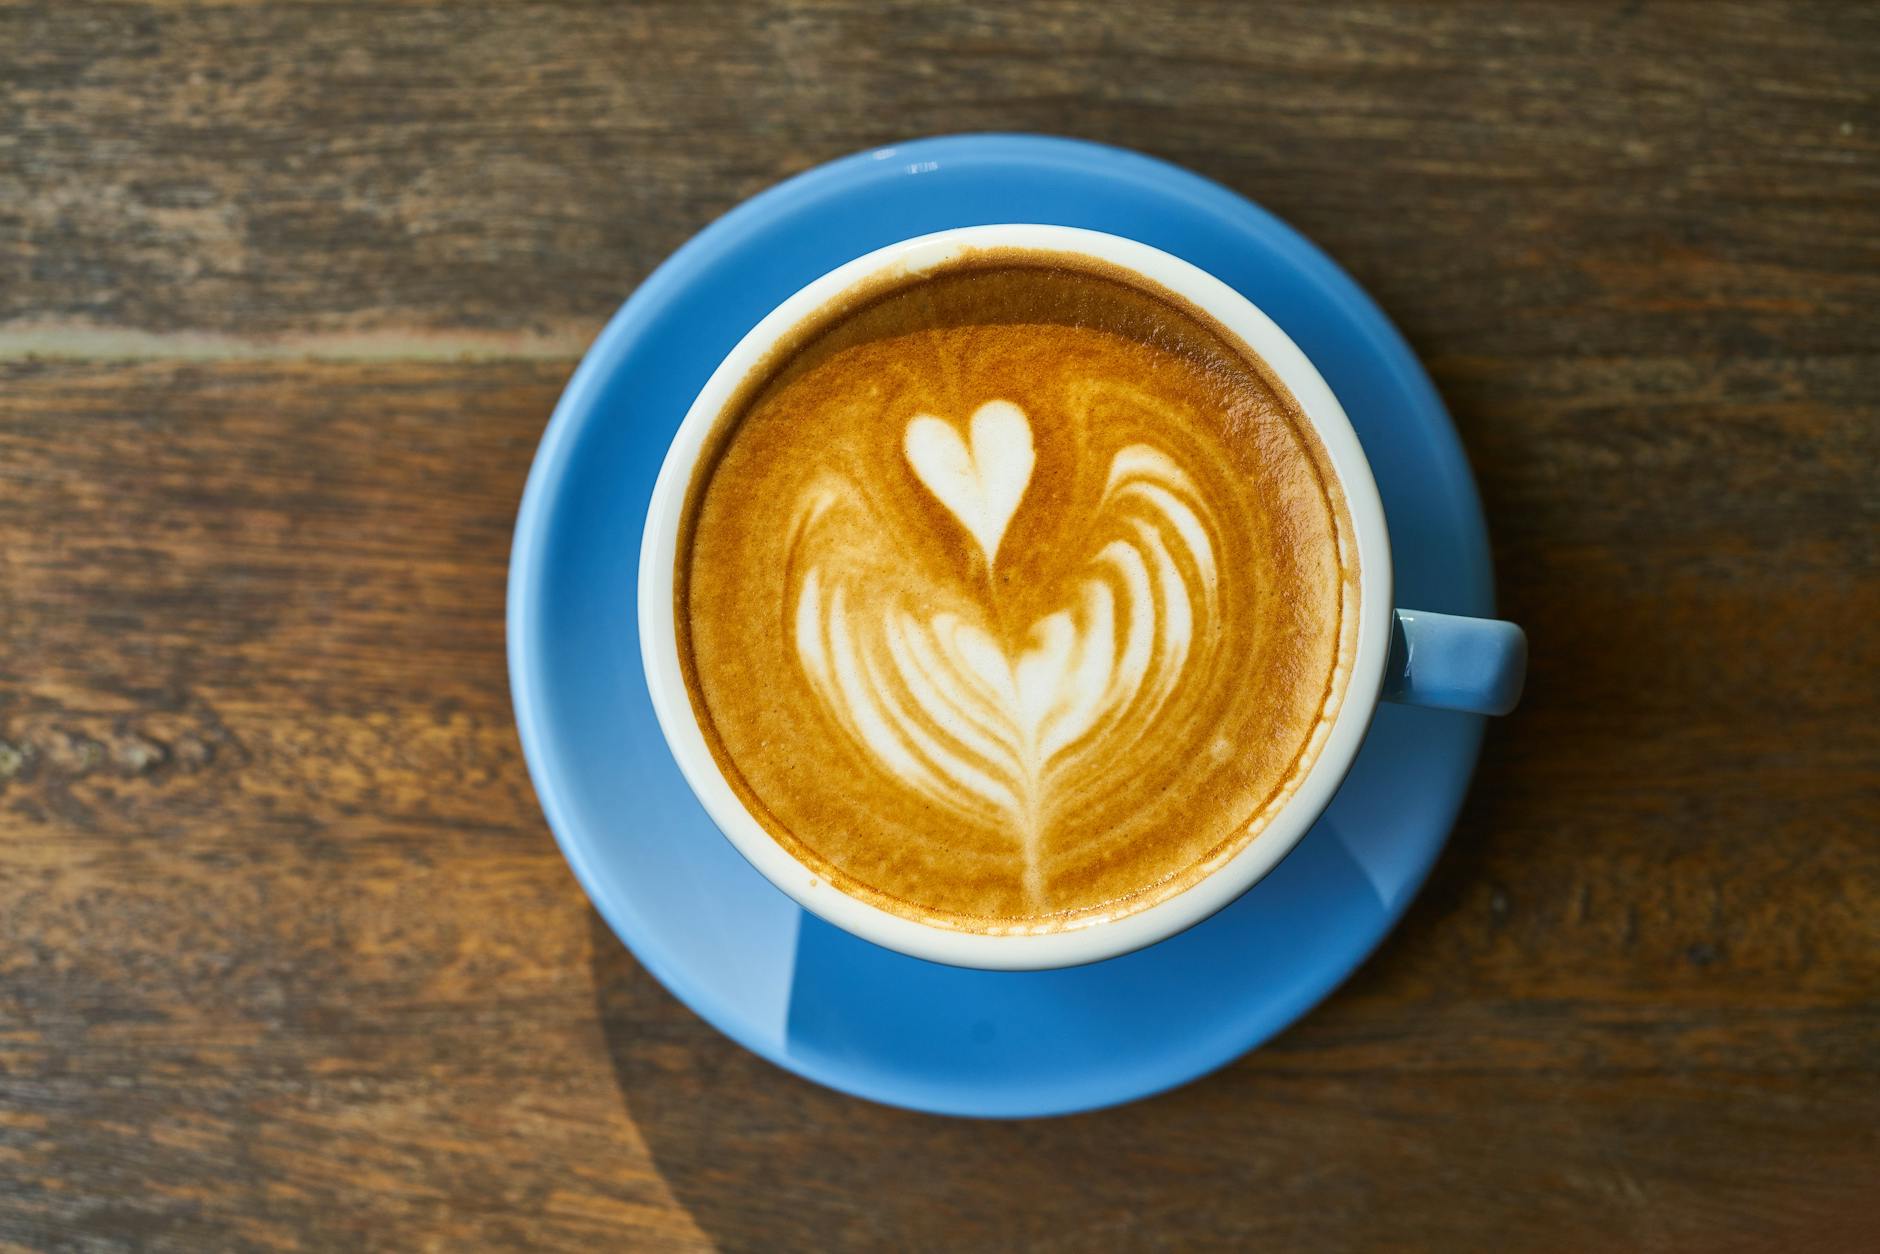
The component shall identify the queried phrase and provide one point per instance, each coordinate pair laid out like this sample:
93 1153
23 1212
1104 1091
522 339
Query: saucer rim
832 181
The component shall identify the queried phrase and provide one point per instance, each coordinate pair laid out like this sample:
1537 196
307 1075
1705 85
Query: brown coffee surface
1015 597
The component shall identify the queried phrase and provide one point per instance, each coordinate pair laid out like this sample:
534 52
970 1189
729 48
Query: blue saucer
737 951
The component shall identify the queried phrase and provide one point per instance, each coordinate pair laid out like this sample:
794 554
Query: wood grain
1579 178
287 957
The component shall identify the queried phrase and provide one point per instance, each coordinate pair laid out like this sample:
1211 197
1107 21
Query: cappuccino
1015 595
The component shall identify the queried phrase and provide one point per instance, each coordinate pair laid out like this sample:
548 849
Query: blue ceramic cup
1408 656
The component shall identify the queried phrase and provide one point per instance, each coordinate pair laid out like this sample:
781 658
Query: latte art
983 484
995 733
1014 599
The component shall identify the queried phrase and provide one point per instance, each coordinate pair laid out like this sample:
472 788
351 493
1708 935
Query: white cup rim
1095 941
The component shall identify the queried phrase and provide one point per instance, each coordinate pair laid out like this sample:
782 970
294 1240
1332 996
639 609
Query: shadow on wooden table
760 1157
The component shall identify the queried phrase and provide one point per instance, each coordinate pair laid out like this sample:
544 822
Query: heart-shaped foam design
940 703
982 485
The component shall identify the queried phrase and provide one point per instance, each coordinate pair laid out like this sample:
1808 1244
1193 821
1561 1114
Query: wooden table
287 956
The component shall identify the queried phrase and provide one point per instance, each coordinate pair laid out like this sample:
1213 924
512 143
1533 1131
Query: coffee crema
1015 595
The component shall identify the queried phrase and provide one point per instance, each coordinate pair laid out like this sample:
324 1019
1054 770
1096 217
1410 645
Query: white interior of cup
1097 940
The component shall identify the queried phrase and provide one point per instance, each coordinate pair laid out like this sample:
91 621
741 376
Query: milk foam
1012 599
983 484
989 730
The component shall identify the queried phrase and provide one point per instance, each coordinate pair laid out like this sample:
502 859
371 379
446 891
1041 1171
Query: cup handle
1446 662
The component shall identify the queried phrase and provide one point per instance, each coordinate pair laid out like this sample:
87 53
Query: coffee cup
970 472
